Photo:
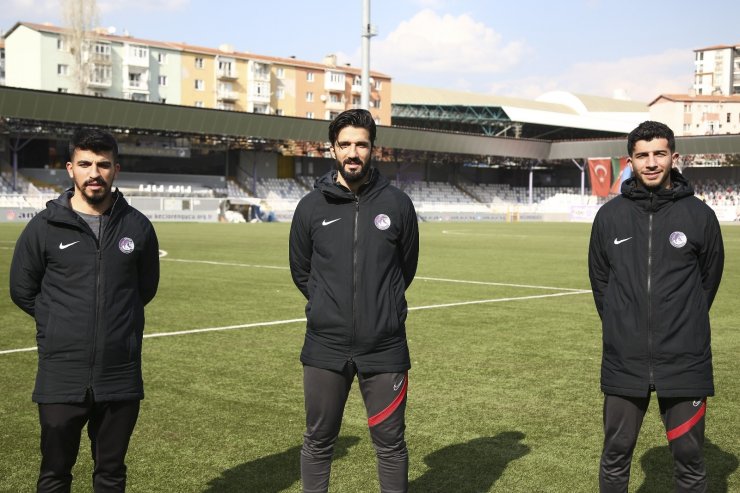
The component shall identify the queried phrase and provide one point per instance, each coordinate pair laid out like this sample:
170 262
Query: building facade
717 70
39 56
698 114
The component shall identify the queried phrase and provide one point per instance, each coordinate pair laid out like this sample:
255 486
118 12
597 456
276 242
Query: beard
352 177
97 196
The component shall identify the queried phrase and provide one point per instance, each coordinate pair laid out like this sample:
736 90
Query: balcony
100 83
336 104
227 74
101 58
226 95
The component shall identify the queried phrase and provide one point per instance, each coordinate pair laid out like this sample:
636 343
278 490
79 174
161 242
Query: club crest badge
382 222
677 239
126 245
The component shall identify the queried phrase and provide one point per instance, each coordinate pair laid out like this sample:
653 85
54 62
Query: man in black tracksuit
655 264
354 246
84 268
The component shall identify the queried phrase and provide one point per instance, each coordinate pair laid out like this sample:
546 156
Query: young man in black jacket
354 246
655 264
84 268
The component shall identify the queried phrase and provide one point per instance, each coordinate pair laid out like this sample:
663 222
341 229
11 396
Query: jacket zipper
354 279
649 302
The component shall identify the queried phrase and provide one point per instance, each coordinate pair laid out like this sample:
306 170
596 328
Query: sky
519 48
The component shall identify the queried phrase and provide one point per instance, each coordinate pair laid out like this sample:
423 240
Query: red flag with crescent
600 172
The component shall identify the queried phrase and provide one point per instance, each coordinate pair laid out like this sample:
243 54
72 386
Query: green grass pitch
503 394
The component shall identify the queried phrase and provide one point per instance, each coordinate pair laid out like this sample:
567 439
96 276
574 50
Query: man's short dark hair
95 140
352 118
648 131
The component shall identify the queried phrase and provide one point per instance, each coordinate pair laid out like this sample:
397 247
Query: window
356 101
280 72
62 90
134 79
199 104
280 93
138 51
309 76
309 114
336 77
101 74
379 85
163 100
101 51
62 69
357 81
98 94
729 119
335 98
162 80
309 97
200 85
375 103
279 112
61 44
198 62
162 58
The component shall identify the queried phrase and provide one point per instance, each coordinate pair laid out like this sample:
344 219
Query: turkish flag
600 172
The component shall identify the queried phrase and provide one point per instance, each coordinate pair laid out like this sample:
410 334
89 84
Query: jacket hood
655 199
328 185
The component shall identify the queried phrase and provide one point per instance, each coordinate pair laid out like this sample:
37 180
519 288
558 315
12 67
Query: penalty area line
297 320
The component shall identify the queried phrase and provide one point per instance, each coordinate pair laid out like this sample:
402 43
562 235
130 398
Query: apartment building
698 114
717 70
121 66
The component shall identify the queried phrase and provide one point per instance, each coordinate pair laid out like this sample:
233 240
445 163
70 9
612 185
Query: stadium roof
558 112
26 112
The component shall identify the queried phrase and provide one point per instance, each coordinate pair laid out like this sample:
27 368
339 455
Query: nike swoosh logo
617 242
327 223
396 386
62 246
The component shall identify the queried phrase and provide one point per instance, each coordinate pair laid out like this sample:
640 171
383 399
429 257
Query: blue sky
518 48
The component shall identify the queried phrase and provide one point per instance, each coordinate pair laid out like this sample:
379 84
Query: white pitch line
228 264
297 320
439 279
486 283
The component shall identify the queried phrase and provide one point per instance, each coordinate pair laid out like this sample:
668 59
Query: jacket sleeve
711 259
27 267
598 266
149 267
409 243
300 249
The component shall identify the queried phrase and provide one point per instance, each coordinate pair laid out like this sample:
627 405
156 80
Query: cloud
28 11
430 44
640 78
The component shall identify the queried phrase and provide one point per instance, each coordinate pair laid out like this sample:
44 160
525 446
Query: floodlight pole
368 31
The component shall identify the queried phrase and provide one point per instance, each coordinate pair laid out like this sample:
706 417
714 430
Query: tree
80 18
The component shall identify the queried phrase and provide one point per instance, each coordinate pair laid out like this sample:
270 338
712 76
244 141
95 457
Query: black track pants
109 426
325 394
684 422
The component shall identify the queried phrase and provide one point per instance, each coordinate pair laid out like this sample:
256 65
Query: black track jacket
353 257
655 264
88 298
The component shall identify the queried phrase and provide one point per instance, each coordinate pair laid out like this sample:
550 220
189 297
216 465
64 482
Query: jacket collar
61 207
329 186
652 200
